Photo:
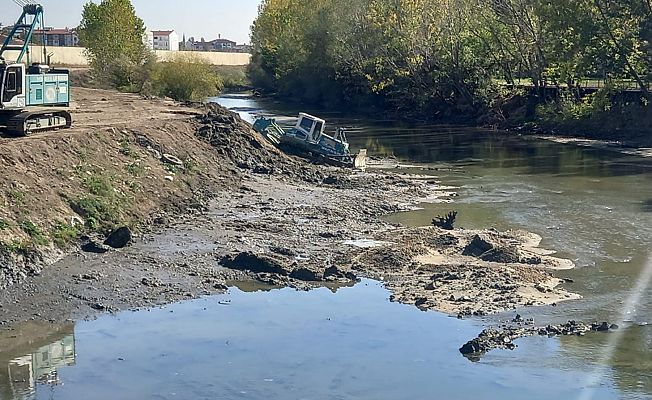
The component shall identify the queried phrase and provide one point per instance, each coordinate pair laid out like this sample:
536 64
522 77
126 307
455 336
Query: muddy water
593 206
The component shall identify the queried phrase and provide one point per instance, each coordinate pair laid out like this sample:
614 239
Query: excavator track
30 122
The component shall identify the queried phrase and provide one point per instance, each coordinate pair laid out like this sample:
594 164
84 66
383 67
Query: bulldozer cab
12 90
311 126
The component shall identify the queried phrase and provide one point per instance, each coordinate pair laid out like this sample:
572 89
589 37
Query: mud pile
235 140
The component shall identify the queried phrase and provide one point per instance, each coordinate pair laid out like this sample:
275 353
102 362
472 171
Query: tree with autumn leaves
446 56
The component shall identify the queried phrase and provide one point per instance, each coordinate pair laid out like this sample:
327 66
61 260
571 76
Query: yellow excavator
33 96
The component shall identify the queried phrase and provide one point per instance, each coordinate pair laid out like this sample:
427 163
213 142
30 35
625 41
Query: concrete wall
213 57
74 56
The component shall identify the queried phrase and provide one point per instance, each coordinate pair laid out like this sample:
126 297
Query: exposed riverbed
592 206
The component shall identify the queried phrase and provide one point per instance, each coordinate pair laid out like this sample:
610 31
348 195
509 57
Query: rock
119 238
518 319
98 306
330 235
161 220
169 178
307 274
487 249
150 282
603 327
488 339
249 261
541 288
283 251
335 272
420 301
330 180
501 255
477 247
471 347
262 170
533 260
91 246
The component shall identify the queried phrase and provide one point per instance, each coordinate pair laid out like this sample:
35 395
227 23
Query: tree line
446 57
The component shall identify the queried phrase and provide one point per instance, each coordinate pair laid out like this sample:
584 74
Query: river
592 206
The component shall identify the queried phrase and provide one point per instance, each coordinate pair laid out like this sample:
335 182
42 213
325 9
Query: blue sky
207 18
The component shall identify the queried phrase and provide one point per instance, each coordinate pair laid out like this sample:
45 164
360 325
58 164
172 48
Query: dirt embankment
126 162
225 205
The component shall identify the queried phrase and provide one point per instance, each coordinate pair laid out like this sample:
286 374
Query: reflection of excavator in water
31 94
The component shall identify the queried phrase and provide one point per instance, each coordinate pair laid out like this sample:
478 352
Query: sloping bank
127 162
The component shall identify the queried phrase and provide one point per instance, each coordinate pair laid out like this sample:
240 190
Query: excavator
33 96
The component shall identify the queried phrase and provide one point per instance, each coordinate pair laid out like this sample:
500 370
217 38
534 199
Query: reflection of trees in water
429 144
253 286
33 358
647 205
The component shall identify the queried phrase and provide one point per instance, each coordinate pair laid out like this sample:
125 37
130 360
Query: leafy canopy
114 35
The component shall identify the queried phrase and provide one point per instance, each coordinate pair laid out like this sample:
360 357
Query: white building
163 40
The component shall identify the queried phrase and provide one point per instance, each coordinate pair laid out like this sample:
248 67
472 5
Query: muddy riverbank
236 209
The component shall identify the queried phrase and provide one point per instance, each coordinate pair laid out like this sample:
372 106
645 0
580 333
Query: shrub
185 77
33 232
99 213
233 76
64 233
98 185
127 75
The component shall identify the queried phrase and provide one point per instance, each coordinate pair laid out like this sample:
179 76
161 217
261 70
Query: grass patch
173 169
34 232
99 213
17 197
98 185
135 169
189 166
4 225
83 156
17 246
125 146
63 234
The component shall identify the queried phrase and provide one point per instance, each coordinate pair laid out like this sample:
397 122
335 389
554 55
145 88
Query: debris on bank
503 338
275 269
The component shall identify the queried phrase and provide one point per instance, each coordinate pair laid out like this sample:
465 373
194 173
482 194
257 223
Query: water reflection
31 357
459 145
647 205
591 205
288 344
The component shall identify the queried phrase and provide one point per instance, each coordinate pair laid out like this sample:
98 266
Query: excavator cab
12 84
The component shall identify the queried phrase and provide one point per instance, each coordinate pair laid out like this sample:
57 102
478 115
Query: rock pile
502 338
271 268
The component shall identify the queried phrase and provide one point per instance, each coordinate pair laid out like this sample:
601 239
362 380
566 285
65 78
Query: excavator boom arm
23 28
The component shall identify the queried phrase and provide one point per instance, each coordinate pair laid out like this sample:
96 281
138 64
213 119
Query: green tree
114 39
